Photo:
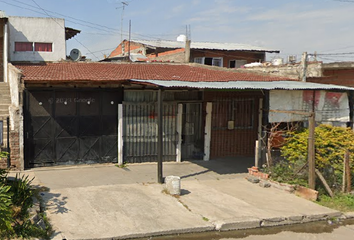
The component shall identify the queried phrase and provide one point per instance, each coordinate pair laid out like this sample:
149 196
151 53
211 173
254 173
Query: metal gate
234 126
71 126
192 135
140 133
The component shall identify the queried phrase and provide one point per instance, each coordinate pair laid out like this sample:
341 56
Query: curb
158 233
238 224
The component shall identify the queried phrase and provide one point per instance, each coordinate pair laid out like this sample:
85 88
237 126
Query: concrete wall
16 118
290 70
45 30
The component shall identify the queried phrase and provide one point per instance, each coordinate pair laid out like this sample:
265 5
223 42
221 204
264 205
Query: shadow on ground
228 165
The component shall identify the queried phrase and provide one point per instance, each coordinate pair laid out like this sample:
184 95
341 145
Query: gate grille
140 133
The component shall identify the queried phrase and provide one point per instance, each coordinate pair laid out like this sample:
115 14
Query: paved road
341 233
311 231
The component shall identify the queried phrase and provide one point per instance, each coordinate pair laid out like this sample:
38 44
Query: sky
324 27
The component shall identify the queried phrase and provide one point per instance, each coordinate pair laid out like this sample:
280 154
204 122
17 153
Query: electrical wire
63 27
88 24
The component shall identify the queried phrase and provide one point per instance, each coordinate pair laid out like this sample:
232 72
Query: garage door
71 126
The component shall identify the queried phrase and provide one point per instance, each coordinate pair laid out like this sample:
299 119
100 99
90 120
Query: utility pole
311 151
130 32
187 48
304 66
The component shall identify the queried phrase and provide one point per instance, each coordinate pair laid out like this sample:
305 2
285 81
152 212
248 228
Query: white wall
46 30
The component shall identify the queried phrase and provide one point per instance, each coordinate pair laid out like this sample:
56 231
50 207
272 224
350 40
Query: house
107 112
24 40
339 73
228 55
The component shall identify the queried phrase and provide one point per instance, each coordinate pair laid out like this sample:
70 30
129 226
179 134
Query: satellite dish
75 54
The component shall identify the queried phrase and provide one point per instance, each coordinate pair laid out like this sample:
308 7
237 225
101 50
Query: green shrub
5 210
331 144
286 172
3 154
22 194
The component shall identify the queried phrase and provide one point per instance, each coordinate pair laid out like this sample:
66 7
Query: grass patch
340 202
124 165
206 219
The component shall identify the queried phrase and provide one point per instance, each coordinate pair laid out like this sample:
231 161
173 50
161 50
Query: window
23 46
30 47
43 47
217 62
212 61
199 60
237 63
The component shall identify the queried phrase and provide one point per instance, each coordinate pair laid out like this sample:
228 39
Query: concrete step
4 99
4 112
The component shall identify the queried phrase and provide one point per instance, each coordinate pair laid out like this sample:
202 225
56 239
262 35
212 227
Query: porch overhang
242 85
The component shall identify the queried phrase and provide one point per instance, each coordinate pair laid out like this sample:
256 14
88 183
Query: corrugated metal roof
285 85
204 45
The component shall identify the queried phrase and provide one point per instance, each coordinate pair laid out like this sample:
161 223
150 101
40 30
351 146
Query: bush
331 144
16 197
22 194
5 210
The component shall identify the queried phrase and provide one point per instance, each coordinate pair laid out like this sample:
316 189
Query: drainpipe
8 142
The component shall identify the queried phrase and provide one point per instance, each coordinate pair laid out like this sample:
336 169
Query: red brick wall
119 51
15 149
15 161
3 163
236 142
343 77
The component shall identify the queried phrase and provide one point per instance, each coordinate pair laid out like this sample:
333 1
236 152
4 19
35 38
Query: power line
99 27
111 29
63 28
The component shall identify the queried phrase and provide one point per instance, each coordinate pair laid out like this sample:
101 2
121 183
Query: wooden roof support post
311 151
159 137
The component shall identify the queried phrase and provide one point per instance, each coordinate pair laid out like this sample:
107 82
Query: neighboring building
37 39
24 40
228 55
341 73
107 112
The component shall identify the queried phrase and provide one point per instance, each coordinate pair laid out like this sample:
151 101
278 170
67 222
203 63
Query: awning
285 85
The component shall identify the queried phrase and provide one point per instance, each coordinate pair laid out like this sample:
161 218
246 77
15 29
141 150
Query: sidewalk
107 202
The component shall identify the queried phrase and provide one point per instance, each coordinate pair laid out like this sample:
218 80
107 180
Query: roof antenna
121 20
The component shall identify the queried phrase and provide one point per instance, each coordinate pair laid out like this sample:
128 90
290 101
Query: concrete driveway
105 202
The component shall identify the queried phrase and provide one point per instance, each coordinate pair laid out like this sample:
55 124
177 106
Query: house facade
24 40
84 113
228 55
